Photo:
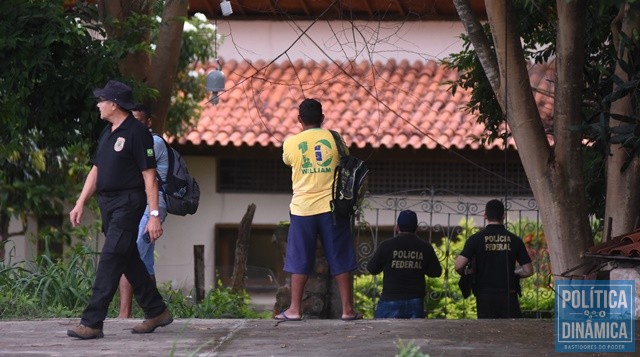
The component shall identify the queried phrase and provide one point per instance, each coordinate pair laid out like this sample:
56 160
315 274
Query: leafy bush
47 288
444 298
367 290
61 288
221 302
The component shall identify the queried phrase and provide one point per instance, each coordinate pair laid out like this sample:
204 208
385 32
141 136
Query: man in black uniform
405 260
497 281
123 171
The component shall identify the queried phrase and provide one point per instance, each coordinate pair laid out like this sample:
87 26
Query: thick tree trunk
158 72
164 63
555 174
567 187
136 64
623 188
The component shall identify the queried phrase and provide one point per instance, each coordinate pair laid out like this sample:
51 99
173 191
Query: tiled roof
408 105
626 245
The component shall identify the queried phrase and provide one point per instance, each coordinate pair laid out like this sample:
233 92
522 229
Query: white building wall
338 40
174 251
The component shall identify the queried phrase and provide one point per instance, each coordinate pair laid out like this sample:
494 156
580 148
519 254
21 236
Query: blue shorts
336 239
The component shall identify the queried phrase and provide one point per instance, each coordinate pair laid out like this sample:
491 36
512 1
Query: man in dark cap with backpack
123 176
405 260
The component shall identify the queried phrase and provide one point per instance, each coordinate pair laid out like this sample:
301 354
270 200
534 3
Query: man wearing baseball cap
405 259
123 176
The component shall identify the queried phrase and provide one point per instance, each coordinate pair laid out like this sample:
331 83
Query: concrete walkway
235 337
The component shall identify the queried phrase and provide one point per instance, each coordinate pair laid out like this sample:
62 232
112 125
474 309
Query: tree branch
480 43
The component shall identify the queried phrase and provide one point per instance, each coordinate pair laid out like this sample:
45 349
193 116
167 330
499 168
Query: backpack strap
342 152
338 139
170 158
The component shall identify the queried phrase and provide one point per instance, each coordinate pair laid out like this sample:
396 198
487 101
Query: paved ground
236 337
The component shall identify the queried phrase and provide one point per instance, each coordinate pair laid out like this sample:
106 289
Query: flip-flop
357 316
283 317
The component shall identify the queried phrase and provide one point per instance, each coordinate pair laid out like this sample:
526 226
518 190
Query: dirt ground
236 337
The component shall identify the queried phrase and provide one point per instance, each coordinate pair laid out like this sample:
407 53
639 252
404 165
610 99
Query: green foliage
50 64
367 290
409 350
537 27
220 302
47 288
444 298
52 59
61 288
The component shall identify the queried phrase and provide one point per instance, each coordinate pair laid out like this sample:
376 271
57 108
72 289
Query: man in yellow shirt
313 156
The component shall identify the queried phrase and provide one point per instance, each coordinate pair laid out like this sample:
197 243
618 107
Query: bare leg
126 296
298 281
346 294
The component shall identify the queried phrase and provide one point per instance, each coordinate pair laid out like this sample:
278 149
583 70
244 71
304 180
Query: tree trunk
164 63
4 233
134 65
555 174
242 250
486 55
623 190
568 192
158 72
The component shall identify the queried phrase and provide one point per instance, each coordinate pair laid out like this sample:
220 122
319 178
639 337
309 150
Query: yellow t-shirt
313 157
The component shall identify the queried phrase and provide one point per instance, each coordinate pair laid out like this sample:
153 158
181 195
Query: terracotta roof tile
627 245
382 105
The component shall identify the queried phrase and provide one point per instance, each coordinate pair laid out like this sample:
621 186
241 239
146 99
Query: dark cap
143 108
118 93
407 221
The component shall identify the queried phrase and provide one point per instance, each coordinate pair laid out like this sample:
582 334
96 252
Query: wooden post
607 236
198 269
242 250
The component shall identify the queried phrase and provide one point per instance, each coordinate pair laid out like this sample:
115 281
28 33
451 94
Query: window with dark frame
488 179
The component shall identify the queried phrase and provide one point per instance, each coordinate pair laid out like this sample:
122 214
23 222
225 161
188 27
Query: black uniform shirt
122 155
405 260
496 251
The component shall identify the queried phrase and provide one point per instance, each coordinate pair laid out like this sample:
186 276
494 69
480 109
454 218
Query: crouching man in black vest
405 259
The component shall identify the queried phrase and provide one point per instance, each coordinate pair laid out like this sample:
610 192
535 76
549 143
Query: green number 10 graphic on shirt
322 154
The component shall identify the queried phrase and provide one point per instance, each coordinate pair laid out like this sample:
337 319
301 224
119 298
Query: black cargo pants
121 213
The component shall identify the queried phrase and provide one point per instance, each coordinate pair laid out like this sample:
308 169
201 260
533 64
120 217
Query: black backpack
180 190
349 181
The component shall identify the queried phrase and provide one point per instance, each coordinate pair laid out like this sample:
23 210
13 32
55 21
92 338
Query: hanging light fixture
215 79
215 84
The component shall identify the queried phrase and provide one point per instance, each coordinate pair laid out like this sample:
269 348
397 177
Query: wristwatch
154 213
